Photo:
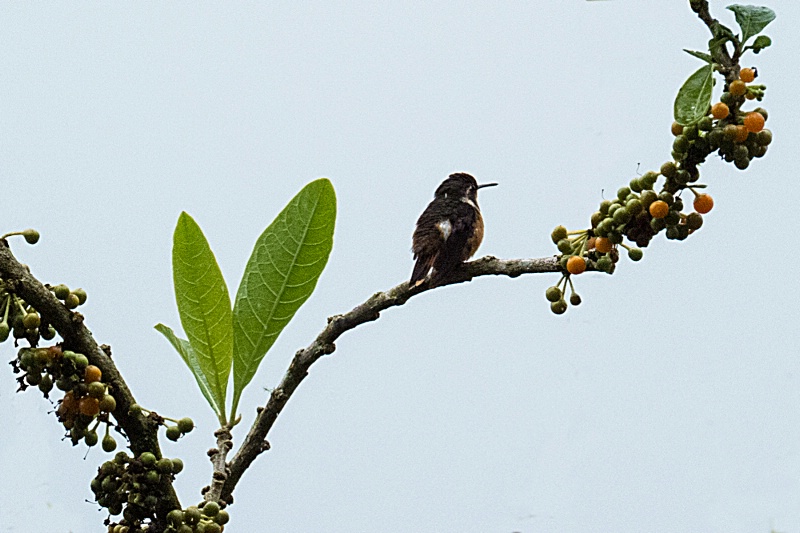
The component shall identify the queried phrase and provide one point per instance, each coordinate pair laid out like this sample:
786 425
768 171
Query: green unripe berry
634 207
615 238
560 232
47 333
192 515
764 137
575 299
31 320
622 216
61 291
173 433
46 384
597 218
553 294
648 179
183 528
175 517
109 444
672 218
152 477
672 232
81 361
212 527
762 112
31 236
636 185
727 98
564 246
635 254
90 439
604 264
33 378
71 301
186 424
81 294
135 409
210 509
148 459
741 164
121 458
42 357
668 169
623 193
604 205
5 331
96 389
164 465
680 144
559 307
222 517
177 466
108 403
667 198
705 124
694 221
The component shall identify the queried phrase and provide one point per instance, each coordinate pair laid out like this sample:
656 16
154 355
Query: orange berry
720 110
69 405
602 245
89 406
737 88
747 74
754 122
741 133
750 96
677 129
92 374
703 203
659 209
576 265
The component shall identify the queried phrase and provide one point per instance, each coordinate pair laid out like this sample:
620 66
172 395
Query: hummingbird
450 229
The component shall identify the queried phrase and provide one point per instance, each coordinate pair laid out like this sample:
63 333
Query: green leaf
281 274
752 19
694 97
699 55
203 304
189 357
761 42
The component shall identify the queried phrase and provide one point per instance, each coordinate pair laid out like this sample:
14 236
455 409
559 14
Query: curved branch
141 431
255 442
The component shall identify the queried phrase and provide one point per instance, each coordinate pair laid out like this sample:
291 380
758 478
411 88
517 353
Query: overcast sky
669 401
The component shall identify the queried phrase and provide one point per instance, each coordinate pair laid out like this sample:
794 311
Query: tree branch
140 430
255 442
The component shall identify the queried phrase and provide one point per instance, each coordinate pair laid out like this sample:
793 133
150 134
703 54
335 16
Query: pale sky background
668 402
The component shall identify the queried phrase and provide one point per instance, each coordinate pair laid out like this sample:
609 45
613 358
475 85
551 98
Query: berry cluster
86 402
133 487
641 210
21 319
209 518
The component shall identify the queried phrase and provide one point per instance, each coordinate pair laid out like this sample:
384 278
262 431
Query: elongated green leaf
752 19
186 352
699 55
694 97
281 274
203 304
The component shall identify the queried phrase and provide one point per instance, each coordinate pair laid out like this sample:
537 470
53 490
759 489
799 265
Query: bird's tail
421 269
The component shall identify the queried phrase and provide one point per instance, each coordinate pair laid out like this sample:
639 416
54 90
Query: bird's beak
482 185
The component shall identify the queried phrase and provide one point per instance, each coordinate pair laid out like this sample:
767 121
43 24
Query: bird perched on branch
450 229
